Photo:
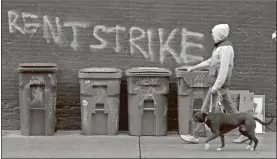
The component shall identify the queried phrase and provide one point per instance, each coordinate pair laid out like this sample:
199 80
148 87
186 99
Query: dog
221 123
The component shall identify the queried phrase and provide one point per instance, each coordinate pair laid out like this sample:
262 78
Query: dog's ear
205 114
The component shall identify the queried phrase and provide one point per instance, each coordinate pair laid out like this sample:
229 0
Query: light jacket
221 62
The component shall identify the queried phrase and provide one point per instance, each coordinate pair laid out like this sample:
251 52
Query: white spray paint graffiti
14 25
30 27
37 92
114 109
54 30
51 106
133 39
186 44
164 46
165 109
75 28
103 42
85 115
150 39
51 31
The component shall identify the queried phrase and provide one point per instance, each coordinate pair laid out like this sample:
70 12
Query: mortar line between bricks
139 148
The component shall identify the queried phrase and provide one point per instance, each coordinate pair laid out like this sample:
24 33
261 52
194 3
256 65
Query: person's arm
202 65
225 55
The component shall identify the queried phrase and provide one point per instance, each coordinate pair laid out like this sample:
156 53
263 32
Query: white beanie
220 32
274 36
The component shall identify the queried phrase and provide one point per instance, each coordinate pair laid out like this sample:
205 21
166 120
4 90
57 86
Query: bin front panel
37 96
148 105
100 106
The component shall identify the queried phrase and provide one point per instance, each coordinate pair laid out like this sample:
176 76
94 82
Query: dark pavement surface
70 144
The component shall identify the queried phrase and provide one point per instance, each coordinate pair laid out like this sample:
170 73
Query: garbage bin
37 98
192 87
147 100
99 94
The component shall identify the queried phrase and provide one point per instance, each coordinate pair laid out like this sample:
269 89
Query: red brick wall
124 34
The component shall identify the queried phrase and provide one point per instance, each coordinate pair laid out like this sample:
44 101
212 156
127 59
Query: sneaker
241 139
190 139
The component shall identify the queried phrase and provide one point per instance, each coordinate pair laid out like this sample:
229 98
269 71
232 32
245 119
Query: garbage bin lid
99 70
148 70
38 65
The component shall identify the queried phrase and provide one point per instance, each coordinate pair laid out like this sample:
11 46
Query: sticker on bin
87 81
148 68
85 103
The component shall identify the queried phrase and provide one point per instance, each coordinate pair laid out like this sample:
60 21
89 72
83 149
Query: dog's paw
248 147
207 146
252 149
219 149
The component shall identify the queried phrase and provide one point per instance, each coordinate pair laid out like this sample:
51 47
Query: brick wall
124 34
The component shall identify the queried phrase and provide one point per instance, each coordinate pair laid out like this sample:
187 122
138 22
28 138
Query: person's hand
190 68
213 90
274 36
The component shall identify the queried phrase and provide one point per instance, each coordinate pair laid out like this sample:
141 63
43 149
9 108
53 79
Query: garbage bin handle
37 84
93 85
148 109
99 83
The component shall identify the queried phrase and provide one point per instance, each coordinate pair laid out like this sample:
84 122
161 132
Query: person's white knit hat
274 36
220 32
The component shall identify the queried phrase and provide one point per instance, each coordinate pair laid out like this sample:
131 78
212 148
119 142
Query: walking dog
221 123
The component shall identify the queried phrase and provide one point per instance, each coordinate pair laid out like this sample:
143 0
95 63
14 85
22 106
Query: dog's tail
263 122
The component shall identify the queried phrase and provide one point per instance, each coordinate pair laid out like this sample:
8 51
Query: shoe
190 139
241 139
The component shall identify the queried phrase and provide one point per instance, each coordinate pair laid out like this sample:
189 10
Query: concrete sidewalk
70 144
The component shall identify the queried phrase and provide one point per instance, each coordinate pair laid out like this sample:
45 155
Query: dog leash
219 99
